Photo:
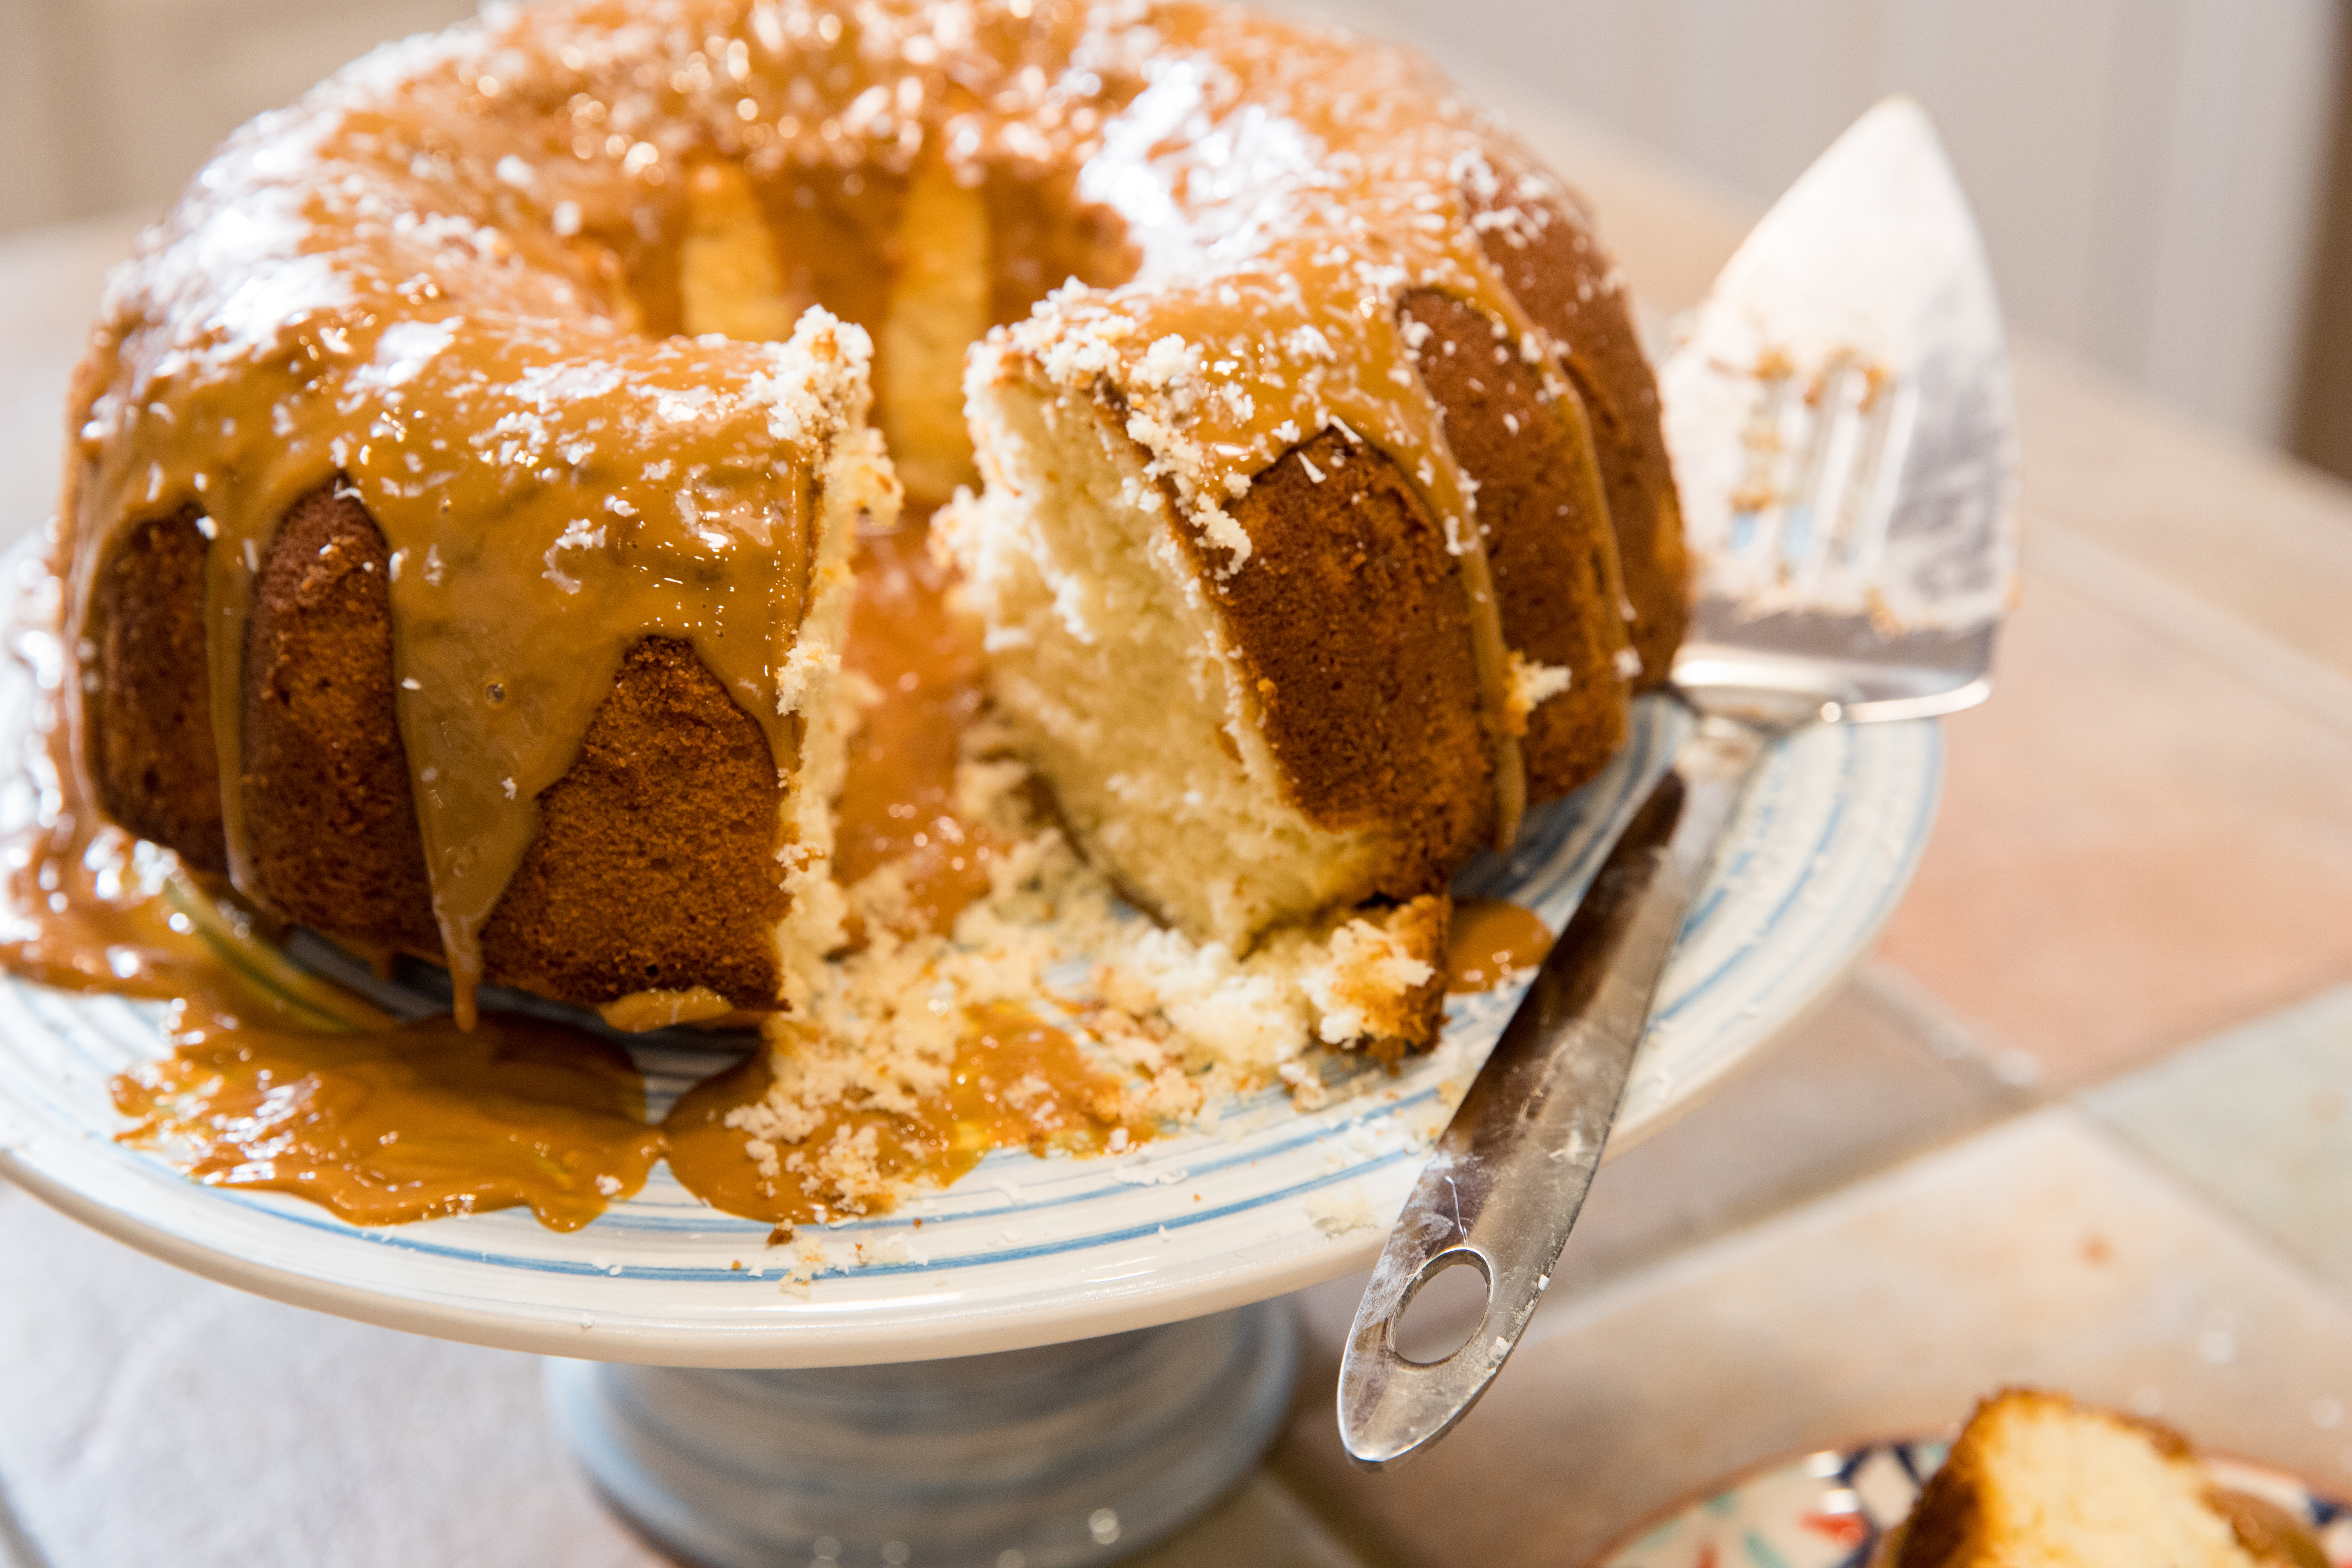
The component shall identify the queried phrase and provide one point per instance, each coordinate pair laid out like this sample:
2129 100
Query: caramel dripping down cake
458 540
2036 1481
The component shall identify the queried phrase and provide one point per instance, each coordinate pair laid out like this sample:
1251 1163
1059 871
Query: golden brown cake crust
2266 1532
1944 1524
1937 1531
331 828
1373 717
654 865
148 719
1553 558
1554 265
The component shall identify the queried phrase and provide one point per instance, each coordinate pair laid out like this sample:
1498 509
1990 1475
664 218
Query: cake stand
1055 1361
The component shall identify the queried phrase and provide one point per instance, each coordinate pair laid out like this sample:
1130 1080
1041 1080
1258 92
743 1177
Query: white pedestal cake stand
1054 1362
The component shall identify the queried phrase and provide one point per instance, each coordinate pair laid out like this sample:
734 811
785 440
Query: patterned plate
1023 1251
1829 1510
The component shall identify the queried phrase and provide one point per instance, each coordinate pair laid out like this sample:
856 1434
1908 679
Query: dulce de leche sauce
1491 942
1017 1082
924 662
404 1124
280 1079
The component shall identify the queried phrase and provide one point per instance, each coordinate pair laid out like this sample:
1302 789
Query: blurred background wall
106 104
2160 180
2152 175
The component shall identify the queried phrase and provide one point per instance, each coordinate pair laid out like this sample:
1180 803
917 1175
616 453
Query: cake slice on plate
2037 1481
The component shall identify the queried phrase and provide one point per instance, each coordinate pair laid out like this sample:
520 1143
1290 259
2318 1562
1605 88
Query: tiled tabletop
2085 1121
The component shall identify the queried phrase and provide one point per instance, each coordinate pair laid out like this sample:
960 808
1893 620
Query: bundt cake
2036 1481
459 539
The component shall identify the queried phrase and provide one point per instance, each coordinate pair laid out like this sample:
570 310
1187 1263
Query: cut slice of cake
2037 1481
1112 655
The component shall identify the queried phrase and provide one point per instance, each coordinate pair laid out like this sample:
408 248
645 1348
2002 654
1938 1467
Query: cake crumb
1340 1211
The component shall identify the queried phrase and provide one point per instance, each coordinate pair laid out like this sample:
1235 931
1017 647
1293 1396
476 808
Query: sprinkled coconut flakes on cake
578 535
1532 684
816 376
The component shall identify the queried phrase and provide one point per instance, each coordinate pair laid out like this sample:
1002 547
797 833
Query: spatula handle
1511 1170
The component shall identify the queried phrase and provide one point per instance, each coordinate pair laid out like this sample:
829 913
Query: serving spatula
1840 416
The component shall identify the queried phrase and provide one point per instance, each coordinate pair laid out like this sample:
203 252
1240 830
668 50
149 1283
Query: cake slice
1126 673
1262 704
2037 1481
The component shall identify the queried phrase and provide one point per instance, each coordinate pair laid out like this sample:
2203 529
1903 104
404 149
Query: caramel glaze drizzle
898 809
415 1123
510 474
1017 1082
1488 942
383 1126
425 281
279 1080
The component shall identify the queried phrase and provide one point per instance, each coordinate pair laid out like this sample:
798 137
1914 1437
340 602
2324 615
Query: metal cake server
1840 414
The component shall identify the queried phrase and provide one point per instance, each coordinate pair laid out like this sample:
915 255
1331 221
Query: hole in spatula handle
1443 1308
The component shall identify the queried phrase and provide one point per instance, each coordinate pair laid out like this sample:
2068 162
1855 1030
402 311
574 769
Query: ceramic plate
1022 1251
1829 1510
